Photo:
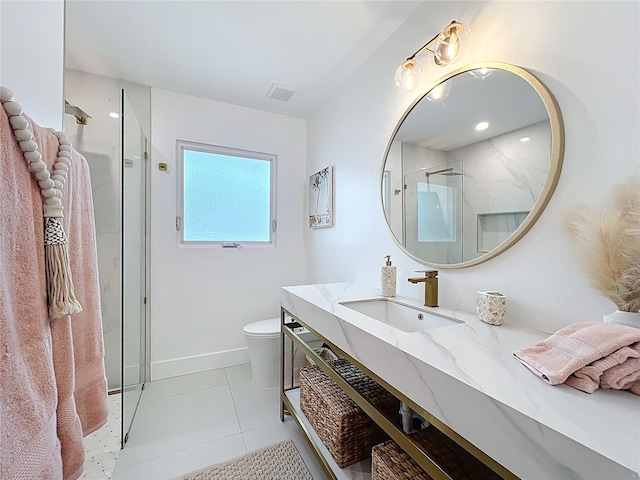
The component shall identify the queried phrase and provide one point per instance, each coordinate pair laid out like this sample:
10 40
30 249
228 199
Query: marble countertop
466 376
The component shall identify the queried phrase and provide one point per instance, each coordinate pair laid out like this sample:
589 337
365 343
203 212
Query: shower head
448 172
81 115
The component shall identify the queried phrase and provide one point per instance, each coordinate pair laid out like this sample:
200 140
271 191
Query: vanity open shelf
464 380
290 403
291 399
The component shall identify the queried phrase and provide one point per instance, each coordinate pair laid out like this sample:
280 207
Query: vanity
465 176
463 377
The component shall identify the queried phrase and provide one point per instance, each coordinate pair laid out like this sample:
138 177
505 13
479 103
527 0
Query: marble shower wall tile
99 143
105 186
110 296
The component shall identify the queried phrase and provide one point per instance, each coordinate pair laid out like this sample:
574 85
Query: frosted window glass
226 198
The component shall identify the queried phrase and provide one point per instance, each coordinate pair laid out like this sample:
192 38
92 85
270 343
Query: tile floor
102 447
189 422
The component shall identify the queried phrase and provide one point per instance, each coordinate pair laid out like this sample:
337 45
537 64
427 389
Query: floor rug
280 461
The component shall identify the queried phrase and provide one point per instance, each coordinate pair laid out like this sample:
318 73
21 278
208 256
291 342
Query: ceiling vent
280 92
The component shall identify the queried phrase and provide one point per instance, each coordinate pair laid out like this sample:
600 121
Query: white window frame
181 146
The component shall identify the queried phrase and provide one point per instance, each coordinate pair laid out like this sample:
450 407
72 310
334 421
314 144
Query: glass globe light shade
481 73
409 75
449 43
439 92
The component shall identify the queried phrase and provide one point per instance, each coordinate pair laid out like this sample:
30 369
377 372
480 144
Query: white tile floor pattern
193 421
103 446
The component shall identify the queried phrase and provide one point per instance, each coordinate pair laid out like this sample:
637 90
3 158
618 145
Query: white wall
565 44
396 184
31 57
201 297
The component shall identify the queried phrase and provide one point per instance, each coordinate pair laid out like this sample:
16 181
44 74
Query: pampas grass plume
609 244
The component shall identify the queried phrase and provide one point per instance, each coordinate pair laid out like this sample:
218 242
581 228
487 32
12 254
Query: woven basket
347 432
390 462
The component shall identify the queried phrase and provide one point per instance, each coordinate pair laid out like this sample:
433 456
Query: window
226 195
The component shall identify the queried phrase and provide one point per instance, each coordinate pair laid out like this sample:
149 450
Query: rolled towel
574 347
616 370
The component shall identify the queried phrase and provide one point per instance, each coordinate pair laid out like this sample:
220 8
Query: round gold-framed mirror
471 165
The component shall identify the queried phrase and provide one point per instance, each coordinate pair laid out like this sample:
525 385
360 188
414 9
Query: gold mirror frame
555 164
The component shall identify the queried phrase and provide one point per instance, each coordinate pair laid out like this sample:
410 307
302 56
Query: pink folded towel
618 370
574 347
622 376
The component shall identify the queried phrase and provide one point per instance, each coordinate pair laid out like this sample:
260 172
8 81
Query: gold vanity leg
282 340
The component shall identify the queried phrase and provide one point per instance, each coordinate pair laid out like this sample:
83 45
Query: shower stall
108 122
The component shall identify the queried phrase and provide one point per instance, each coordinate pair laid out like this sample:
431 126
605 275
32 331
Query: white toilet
263 340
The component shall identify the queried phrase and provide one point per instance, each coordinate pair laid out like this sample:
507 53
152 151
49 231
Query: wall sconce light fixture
446 48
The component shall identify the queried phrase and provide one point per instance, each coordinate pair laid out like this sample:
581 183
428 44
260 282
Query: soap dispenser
388 279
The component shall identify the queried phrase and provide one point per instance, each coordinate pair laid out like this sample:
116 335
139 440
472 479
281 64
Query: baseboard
198 363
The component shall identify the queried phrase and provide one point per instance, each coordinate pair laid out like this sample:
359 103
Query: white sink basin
399 315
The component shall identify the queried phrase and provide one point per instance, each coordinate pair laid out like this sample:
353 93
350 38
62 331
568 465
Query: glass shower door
433 215
134 243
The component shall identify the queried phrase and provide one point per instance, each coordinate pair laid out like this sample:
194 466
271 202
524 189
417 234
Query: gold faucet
430 281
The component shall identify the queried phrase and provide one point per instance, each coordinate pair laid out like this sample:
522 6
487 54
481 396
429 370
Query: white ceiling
232 51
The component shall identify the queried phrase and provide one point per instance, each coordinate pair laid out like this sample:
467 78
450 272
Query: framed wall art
321 198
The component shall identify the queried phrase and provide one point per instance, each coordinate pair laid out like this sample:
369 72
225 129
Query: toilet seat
269 328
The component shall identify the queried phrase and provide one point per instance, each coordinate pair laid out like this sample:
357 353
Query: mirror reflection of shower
449 172
432 211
